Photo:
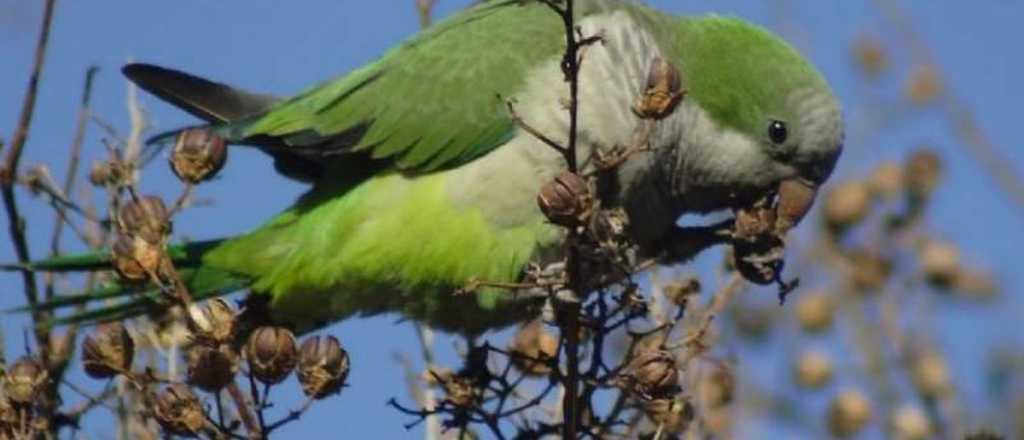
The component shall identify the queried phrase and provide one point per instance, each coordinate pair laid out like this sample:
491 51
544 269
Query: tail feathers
118 302
211 101
189 254
115 301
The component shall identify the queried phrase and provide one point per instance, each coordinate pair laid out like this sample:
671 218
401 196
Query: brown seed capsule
8 418
760 261
680 292
24 380
813 370
211 369
179 411
436 376
213 322
271 353
717 388
663 93
101 173
753 320
653 374
323 366
671 414
848 414
108 351
461 392
147 218
198 155
975 284
566 200
533 347
134 258
930 375
887 180
910 423
870 56
870 271
815 311
610 226
847 204
940 262
924 85
923 170
754 222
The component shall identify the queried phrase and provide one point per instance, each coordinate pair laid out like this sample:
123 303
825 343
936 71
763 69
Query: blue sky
261 45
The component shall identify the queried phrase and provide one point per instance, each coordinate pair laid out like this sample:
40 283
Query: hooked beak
796 196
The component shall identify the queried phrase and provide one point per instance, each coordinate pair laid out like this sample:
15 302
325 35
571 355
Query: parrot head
761 118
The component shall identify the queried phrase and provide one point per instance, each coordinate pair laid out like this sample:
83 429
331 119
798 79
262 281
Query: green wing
432 102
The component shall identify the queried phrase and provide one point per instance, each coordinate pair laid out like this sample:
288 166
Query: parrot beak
796 196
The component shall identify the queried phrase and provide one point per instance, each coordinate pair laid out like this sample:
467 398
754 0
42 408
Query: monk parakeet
422 181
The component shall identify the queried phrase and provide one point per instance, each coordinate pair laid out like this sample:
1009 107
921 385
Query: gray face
817 135
721 168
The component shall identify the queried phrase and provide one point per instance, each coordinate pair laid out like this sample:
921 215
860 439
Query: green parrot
421 179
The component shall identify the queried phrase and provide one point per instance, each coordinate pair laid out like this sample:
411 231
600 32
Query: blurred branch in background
930 83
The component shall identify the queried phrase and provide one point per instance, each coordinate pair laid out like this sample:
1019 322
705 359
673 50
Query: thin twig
244 411
958 114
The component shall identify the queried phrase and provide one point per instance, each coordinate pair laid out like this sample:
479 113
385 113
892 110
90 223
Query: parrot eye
777 132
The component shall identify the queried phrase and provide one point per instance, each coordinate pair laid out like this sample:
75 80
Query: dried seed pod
198 155
680 292
435 376
870 56
671 414
534 347
566 200
108 351
717 388
179 411
653 374
924 85
214 322
146 217
923 170
101 173
610 226
134 258
323 366
870 271
930 375
847 204
848 414
210 368
760 261
815 311
123 260
663 92
752 223
24 381
111 173
813 370
8 417
910 423
461 391
887 180
940 262
271 353
753 320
